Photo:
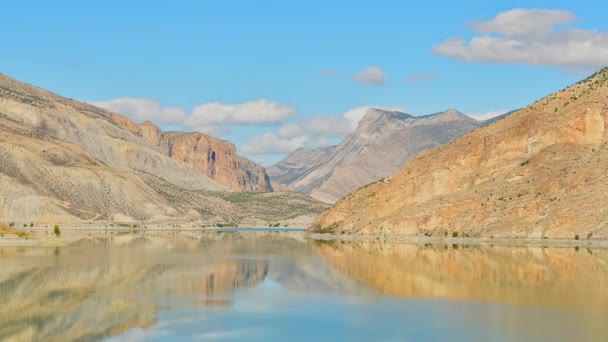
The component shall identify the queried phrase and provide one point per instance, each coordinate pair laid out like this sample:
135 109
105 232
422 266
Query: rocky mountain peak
374 117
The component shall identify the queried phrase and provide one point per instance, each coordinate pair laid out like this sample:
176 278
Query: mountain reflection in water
275 285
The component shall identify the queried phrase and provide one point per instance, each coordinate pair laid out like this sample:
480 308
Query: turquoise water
277 286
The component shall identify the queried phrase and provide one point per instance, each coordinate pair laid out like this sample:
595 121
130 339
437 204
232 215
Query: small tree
57 231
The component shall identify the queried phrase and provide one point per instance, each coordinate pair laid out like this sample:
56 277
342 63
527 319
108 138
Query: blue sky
272 75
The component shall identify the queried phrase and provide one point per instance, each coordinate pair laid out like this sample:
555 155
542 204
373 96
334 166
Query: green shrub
454 234
576 237
327 230
57 231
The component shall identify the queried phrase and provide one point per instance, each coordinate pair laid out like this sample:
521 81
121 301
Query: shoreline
44 237
466 241
70 235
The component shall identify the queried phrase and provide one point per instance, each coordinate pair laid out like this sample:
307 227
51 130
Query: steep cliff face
382 143
540 172
214 158
102 134
298 163
94 131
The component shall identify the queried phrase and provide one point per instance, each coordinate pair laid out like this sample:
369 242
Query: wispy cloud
372 75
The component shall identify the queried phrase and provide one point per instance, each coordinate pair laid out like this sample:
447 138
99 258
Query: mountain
382 143
539 172
213 157
298 163
63 160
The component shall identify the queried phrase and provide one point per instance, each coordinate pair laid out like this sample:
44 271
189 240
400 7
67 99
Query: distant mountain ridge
382 143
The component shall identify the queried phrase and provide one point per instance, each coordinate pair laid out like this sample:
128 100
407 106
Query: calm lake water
266 286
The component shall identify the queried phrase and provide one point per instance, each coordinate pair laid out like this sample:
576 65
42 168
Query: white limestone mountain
382 143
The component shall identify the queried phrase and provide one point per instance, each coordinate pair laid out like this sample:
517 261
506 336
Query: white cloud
210 118
371 76
273 143
488 115
248 113
140 110
530 36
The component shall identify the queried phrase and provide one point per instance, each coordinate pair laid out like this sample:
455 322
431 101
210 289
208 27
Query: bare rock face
67 161
214 158
382 143
298 163
540 172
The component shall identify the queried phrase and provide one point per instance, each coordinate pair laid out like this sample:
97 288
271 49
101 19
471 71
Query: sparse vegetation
9 230
454 234
227 225
326 230
576 237
57 231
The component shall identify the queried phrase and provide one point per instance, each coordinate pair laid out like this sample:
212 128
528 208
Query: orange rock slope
213 157
540 172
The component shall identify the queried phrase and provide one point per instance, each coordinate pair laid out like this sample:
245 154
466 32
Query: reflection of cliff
86 294
538 277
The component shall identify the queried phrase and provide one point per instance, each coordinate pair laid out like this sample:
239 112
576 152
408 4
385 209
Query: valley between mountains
539 172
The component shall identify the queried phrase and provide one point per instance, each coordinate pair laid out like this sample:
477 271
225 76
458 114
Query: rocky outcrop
66 161
540 172
100 133
298 163
214 158
382 143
